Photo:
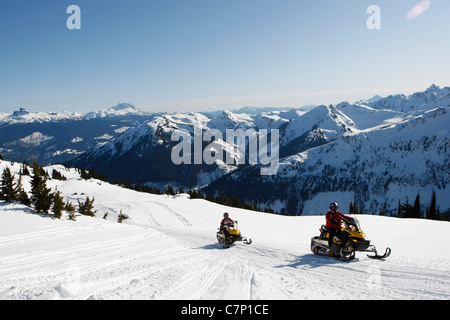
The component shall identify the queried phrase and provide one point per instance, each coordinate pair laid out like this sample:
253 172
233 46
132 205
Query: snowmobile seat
323 232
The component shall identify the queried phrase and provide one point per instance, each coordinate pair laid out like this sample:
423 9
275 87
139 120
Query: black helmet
333 205
226 215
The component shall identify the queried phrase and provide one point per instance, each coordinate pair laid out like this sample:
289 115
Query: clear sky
192 55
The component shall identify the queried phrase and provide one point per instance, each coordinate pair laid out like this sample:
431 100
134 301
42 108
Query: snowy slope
167 250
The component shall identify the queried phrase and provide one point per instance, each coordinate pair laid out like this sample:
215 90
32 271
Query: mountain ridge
308 138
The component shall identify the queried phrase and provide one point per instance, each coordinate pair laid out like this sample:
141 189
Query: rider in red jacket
334 219
226 221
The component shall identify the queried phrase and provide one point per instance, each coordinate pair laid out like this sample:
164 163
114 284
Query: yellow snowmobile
233 235
353 239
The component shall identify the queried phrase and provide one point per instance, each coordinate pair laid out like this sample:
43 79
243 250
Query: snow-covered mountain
375 152
122 109
167 250
52 137
148 147
23 116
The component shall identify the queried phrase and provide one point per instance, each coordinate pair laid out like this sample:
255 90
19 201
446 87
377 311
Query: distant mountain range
50 137
374 152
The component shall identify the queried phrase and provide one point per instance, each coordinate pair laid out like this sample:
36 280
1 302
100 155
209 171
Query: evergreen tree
446 215
94 174
361 210
69 207
24 171
86 208
170 191
57 175
195 194
226 200
121 217
84 174
406 209
8 190
71 210
353 209
40 194
235 201
22 196
58 205
416 210
431 211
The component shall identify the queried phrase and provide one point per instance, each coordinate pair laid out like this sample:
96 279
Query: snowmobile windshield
353 224
232 225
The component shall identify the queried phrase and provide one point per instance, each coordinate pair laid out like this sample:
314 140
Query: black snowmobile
233 235
345 248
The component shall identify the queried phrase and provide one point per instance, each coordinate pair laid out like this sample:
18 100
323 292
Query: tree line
42 199
197 194
411 210
170 190
418 211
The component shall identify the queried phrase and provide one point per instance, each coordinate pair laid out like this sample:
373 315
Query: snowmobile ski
386 254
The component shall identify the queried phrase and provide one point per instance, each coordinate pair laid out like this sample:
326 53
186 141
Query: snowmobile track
181 218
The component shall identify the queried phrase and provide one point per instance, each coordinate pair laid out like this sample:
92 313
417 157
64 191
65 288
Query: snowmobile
355 240
234 235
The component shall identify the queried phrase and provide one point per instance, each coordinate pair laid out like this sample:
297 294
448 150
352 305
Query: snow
167 250
76 140
35 139
120 109
24 116
68 151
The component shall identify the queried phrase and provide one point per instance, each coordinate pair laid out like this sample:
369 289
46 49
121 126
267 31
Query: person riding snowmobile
226 221
334 218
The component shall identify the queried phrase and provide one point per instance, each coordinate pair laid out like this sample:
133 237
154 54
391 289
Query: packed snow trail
42 258
271 271
167 249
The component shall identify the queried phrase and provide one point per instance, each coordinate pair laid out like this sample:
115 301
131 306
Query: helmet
226 215
333 205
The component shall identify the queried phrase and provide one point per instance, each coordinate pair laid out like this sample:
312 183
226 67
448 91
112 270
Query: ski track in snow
167 250
166 263
183 220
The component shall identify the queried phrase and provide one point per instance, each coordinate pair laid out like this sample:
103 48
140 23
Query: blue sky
192 55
